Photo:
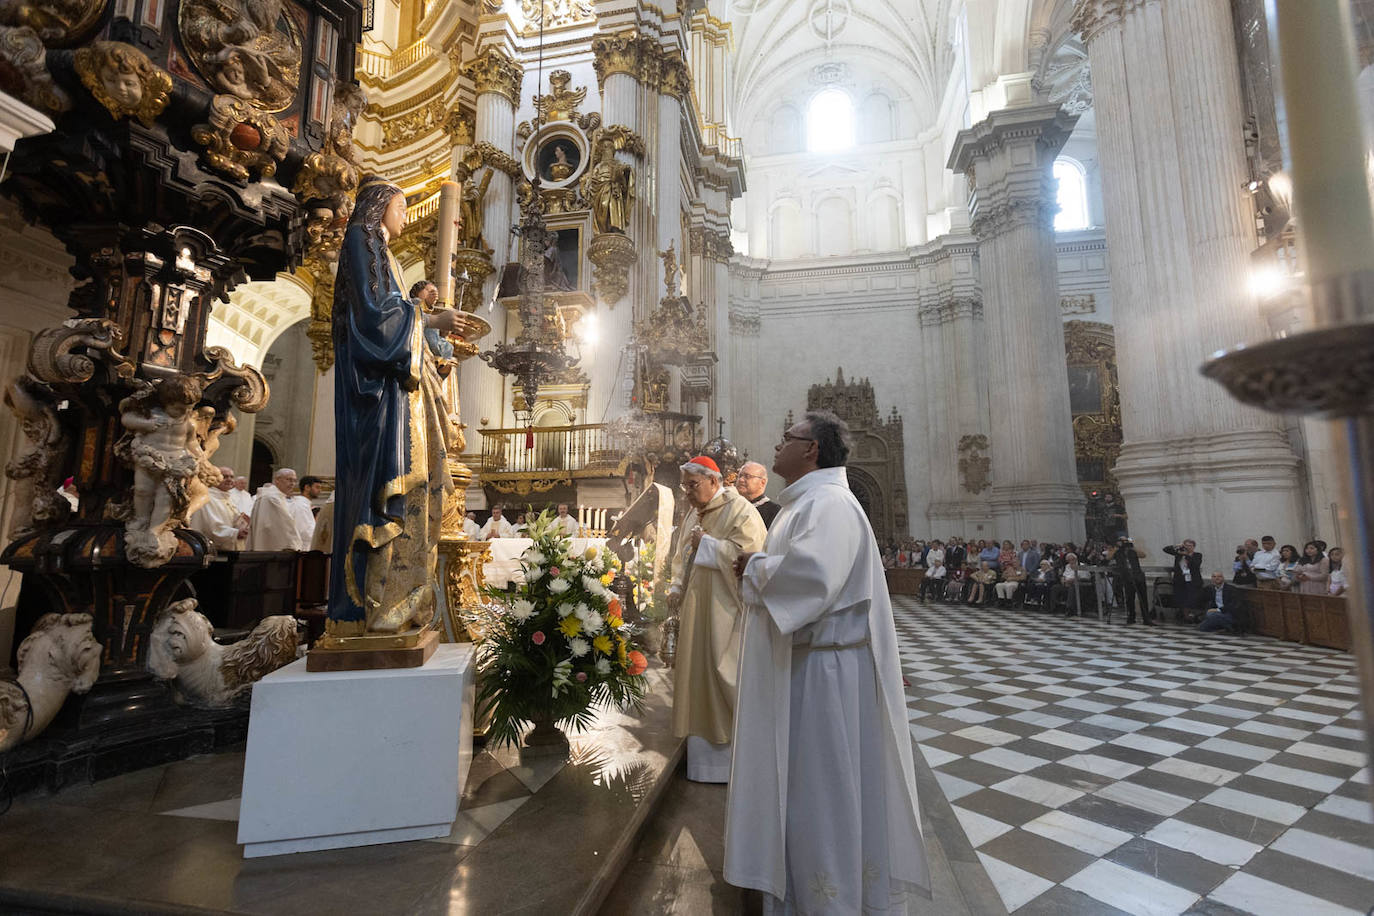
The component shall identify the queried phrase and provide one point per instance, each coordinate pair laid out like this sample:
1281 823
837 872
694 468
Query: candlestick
450 197
1330 190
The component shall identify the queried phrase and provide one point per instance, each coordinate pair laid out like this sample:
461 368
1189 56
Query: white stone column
497 80
1009 157
619 105
1195 463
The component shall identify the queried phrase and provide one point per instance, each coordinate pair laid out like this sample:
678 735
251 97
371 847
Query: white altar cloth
504 567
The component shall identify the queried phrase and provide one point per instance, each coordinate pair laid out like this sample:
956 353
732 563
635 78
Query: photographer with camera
1243 571
1124 557
1187 576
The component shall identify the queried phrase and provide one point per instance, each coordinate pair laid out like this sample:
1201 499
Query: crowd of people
277 517
1057 576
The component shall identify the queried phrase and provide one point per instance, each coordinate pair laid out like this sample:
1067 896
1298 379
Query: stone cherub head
124 80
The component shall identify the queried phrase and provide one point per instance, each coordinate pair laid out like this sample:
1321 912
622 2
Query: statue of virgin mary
390 474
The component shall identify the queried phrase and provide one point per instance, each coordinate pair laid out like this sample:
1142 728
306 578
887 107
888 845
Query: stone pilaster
1008 159
1195 463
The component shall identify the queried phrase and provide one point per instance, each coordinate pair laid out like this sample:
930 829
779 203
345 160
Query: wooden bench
1317 620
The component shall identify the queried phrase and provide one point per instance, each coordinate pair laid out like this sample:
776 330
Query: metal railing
714 135
557 449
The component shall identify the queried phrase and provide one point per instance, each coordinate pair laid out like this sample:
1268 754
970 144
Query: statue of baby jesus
166 453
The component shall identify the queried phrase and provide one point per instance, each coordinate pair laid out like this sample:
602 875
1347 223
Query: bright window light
830 122
1073 196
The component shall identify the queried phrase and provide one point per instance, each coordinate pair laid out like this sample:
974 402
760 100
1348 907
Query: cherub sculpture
206 674
58 657
38 468
163 445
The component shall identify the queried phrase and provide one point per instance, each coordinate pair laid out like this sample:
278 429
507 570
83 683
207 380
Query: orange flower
613 607
637 663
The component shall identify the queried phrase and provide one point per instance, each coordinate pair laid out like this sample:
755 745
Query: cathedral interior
1004 240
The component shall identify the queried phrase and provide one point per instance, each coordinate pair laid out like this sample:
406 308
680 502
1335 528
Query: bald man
752 481
273 523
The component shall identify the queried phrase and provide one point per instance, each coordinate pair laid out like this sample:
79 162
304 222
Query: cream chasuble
707 665
822 813
218 520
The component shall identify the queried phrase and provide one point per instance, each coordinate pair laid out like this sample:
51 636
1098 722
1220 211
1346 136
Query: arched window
1072 197
830 122
884 214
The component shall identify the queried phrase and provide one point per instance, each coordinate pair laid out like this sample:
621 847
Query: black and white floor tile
1102 769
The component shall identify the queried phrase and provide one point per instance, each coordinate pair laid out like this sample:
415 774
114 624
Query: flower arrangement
649 592
557 645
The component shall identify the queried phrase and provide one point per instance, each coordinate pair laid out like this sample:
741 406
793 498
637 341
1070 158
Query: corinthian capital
1093 17
627 52
677 79
493 70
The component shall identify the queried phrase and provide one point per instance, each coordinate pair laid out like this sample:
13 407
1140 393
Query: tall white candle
450 198
1330 193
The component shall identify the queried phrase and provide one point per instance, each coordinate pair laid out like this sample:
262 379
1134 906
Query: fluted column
496 79
1009 158
1195 463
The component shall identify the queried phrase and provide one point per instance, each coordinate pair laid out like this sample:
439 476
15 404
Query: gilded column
1195 463
496 79
1008 159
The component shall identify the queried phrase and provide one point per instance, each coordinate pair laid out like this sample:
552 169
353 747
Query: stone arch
834 217
870 495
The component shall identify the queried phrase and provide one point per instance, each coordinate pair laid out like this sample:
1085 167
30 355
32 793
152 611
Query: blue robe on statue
387 505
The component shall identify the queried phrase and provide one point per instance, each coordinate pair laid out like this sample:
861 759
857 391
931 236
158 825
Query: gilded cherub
124 80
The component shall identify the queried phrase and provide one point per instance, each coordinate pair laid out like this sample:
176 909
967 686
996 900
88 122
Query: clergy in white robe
567 525
496 526
219 519
719 526
274 524
304 513
471 530
822 813
243 500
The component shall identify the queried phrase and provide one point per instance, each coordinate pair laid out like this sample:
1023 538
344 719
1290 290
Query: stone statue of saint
609 189
390 421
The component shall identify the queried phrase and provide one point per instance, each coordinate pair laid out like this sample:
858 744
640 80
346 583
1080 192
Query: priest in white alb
822 815
496 526
219 519
720 525
274 525
567 525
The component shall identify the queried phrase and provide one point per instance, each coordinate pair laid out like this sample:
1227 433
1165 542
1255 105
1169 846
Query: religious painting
563 262
558 160
1085 389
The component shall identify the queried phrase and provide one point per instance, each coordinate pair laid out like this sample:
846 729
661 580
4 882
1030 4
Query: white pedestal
353 758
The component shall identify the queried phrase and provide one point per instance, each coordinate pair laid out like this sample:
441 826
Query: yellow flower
615 621
570 626
621 652
602 644
608 578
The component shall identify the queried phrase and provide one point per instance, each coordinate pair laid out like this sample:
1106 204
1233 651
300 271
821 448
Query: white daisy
582 611
565 609
578 646
522 610
592 584
592 622
603 666
559 586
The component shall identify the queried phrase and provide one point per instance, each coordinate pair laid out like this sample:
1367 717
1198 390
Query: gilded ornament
241 140
624 52
561 102
484 153
477 266
675 332
472 211
608 186
676 80
613 254
327 178
493 70
458 126
58 23
398 131
124 80
251 50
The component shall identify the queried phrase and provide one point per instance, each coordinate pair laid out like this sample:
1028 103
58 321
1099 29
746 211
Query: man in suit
751 482
955 554
1187 575
1029 557
1124 557
1221 605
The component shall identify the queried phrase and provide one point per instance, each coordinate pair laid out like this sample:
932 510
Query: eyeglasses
752 477
688 485
788 437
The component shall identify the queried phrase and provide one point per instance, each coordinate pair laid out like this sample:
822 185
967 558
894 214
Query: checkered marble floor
1101 769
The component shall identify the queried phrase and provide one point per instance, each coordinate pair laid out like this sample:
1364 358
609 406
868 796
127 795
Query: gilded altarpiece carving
1095 399
877 473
